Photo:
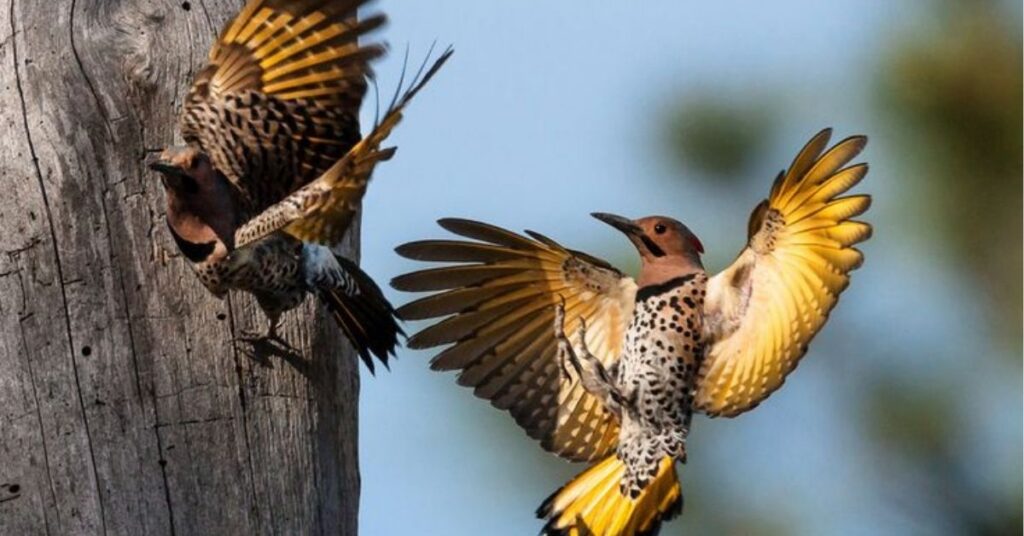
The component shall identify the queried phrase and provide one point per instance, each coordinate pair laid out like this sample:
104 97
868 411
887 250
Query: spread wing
498 305
764 309
322 210
278 103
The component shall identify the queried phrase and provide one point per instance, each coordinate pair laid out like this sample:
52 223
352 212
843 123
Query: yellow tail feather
592 503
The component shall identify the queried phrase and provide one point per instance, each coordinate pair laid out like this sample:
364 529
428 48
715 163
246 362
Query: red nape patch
695 242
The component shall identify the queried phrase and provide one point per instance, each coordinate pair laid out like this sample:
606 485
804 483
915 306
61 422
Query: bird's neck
201 219
659 270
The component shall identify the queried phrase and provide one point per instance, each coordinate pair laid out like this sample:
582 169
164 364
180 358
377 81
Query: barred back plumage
278 103
275 168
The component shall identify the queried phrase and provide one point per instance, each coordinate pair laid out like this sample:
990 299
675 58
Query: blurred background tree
720 135
953 94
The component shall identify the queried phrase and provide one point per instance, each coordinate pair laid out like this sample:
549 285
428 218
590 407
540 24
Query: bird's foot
271 340
566 354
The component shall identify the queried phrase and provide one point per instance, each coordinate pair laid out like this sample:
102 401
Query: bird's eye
660 229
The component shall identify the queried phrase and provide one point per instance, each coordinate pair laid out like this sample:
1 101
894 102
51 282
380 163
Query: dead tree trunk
124 407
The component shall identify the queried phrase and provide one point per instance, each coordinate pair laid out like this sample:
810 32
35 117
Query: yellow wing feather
497 307
305 49
278 102
764 309
327 219
322 210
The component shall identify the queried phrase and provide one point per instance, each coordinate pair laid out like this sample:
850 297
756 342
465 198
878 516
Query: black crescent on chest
195 252
650 291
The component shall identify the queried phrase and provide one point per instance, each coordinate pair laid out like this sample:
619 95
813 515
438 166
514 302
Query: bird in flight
274 168
606 369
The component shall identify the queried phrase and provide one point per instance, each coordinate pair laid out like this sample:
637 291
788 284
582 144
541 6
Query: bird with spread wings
603 368
274 168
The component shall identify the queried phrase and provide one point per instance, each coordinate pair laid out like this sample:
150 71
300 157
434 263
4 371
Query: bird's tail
363 314
593 504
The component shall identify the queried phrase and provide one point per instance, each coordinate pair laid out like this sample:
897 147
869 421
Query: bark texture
124 406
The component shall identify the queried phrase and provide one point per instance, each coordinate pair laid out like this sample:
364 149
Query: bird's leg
272 323
271 335
589 369
594 375
566 353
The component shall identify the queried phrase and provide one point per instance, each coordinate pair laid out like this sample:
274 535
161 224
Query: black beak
620 223
163 166
632 230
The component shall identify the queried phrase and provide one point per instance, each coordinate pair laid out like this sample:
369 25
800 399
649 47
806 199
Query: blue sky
551 110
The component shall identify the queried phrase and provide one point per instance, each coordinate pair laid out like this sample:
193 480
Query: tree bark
124 406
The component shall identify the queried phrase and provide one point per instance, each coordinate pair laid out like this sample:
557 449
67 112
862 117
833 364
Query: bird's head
200 203
667 247
186 171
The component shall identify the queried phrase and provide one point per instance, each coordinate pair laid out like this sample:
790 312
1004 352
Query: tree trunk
124 406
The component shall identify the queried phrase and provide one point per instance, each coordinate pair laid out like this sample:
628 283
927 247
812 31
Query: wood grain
124 406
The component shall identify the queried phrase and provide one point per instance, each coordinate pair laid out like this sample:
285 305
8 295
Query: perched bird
603 368
274 168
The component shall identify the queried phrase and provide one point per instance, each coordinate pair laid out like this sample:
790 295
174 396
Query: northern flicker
603 368
274 168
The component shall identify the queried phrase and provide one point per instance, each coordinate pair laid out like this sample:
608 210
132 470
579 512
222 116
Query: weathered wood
124 407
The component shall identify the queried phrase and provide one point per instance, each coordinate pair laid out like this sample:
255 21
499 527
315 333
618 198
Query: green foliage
717 136
922 431
954 96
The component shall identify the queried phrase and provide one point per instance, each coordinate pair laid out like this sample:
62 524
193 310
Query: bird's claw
560 319
581 330
565 351
271 338
565 358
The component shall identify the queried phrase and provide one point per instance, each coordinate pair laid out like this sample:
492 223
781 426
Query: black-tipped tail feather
592 504
364 315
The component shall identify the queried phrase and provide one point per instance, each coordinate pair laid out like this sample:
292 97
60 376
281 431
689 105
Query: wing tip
856 142
869 231
411 250
451 224
403 283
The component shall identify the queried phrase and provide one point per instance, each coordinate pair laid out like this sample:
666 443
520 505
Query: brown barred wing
278 103
322 210
496 307
764 309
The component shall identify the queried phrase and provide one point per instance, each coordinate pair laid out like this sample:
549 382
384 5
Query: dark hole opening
86 351
186 6
14 488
